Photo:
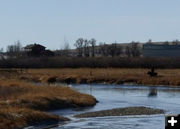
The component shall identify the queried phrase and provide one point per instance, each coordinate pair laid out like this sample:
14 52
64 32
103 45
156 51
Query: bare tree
15 49
86 48
128 51
66 48
79 46
135 50
1 54
93 44
119 50
103 49
175 42
149 41
112 49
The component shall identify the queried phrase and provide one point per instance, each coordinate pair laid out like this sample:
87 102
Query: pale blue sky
48 22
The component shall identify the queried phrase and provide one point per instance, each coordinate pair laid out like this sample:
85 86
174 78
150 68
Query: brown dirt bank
23 104
103 75
121 112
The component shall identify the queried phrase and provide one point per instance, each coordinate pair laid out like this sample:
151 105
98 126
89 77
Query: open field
103 75
23 104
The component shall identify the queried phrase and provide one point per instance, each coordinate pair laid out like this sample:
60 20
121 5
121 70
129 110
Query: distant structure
161 50
37 50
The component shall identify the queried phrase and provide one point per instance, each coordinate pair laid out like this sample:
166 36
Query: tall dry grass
22 103
42 97
108 75
16 118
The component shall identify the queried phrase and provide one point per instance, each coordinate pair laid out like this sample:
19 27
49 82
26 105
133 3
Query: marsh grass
106 75
13 118
22 103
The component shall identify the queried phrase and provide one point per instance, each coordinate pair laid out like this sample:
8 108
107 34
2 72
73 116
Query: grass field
105 75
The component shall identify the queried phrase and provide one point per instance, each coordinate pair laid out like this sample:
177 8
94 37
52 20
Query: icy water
115 96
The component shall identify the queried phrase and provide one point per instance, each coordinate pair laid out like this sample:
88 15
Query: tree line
85 48
89 48
87 56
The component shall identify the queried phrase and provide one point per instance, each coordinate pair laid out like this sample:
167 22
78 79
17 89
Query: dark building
37 50
161 50
47 53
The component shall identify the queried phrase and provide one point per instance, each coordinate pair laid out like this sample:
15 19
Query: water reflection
152 92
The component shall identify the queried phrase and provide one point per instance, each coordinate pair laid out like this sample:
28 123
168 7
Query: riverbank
166 77
23 104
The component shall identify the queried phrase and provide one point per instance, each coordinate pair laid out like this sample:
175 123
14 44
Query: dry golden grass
108 75
11 118
19 93
22 103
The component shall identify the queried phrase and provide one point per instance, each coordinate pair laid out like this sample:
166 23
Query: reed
23 104
107 75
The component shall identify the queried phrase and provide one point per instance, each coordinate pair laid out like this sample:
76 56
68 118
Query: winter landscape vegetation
94 64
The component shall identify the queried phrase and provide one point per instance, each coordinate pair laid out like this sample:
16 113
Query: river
115 96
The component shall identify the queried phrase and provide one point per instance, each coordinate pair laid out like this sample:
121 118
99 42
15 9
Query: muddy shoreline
121 112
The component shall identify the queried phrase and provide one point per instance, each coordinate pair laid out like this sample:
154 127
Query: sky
51 22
